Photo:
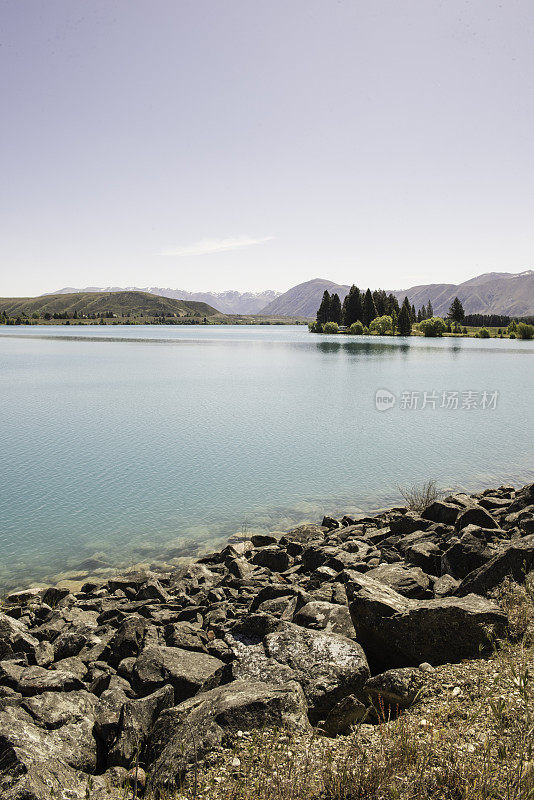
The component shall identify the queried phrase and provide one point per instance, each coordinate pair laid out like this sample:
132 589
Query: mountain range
490 293
229 302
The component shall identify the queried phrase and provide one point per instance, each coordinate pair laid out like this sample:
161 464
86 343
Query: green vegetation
122 308
382 325
434 326
356 329
525 331
483 333
331 327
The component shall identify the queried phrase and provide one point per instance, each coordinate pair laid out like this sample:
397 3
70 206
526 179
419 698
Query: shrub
525 331
356 328
512 327
464 329
432 327
315 327
381 325
419 497
331 327
483 333
513 336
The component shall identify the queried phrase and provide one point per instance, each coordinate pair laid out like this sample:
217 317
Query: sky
256 144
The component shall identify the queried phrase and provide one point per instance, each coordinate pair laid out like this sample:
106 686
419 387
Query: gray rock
330 617
343 715
185 670
397 688
15 638
408 581
35 680
475 516
440 511
516 561
185 734
465 554
128 639
396 631
135 724
445 586
53 709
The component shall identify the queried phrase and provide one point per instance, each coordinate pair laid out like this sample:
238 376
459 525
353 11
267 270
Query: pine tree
352 307
369 310
323 314
420 315
429 310
404 323
413 315
335 309
456 311
393 305
380 299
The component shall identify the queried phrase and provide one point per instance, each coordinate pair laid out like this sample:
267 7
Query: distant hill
491 293
303 300
229 302
121 302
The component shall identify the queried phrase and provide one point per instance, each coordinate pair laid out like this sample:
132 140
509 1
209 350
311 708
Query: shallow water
133 442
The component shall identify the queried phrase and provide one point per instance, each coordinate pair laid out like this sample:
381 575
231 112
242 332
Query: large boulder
440 511
39 764
135 724
15 638
183 735
408 581
464 555
185 670
396 631
327 665
396 688
475 516
515 562
330 617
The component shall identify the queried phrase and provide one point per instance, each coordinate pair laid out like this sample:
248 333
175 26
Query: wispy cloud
207 246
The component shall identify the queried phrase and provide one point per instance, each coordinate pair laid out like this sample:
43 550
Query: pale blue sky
212 144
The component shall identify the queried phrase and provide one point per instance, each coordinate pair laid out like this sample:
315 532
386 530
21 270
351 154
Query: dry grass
420 496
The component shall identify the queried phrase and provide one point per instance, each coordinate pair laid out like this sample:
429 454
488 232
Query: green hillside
134 304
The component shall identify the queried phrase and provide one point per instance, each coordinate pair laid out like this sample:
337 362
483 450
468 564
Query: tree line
365 307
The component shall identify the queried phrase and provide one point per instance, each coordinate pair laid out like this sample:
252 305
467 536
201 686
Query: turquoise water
127 444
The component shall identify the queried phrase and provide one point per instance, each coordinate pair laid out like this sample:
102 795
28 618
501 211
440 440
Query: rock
327 666
52 709
15 638
185 670
330 617
136 778
440 511
35 680
407 523
445 586
183 735
347 712
516 561
396 631
135 724
466 554
128 639
397 688
272 558
408 581
475 516
425 554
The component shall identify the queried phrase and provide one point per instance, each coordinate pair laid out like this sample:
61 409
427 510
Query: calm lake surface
131 443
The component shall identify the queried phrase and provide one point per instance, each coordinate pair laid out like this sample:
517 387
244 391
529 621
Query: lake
127 444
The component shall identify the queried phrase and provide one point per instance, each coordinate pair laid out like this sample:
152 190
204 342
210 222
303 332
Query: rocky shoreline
138 677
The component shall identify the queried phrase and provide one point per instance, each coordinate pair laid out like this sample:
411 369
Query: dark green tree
352 307
335 309
429 310
323 314
369 310
404 323
456 311
413 315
